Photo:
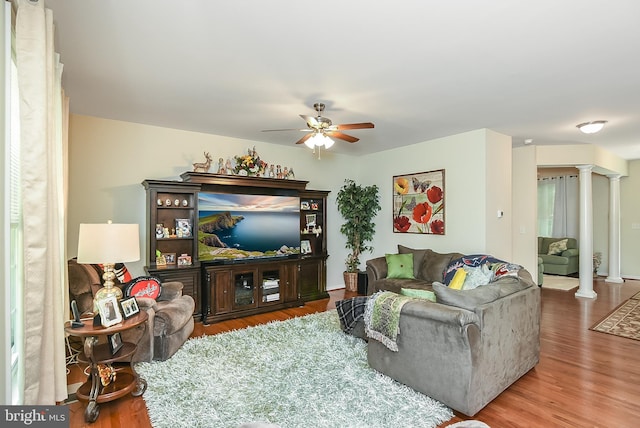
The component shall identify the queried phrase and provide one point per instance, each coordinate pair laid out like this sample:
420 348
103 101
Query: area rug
559 282
623 321
302 372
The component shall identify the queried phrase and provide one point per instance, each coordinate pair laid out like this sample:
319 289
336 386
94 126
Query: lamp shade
108 243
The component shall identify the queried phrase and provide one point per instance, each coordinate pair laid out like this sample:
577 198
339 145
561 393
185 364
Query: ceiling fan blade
303 139
340 135
311 120
363 125
286 129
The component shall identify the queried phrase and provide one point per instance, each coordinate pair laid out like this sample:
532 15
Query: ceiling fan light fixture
591 127
318 140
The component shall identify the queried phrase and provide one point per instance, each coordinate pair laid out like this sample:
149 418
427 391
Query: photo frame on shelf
109 311
311 220
129 307
184 260
159 230
161 260
305 247
419 203
170 258
115 342
304 205
184 228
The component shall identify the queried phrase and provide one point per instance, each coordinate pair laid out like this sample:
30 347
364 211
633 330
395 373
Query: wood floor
584 378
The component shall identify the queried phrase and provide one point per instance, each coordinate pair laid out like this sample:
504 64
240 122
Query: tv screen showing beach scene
238 226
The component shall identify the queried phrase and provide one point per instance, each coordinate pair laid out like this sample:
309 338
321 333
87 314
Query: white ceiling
418 69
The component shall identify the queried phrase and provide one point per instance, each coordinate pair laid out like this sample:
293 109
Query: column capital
585 168
614 176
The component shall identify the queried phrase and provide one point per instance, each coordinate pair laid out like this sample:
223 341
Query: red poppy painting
418 203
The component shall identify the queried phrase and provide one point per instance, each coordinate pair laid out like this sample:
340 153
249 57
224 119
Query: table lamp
107 244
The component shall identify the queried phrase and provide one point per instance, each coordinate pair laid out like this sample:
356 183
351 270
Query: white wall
525 209
630 216
498 162
464 158
109 160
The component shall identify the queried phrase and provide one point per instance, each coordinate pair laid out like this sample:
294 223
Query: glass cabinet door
271 286
244 289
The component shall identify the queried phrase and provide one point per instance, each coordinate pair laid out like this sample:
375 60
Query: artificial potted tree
358 205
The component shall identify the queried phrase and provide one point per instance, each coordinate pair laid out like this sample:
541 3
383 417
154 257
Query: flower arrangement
249 164
597 261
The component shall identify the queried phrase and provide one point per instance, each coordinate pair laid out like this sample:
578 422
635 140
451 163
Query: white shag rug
559 282
302 372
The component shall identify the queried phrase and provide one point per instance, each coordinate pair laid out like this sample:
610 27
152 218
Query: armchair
566 262
170 320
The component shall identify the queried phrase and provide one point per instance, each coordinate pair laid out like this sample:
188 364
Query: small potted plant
358 205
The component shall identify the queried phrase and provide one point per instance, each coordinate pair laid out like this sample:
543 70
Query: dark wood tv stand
236 289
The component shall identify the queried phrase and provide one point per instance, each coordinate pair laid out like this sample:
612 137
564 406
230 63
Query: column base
615 279
590 294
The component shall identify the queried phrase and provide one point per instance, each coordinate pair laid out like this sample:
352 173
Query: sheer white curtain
558 206
43 110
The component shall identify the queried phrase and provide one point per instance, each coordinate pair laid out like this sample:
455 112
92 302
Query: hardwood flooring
584 378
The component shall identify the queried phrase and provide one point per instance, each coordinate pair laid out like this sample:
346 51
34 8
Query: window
14 214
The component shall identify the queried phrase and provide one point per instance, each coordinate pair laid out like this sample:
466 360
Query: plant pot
351 280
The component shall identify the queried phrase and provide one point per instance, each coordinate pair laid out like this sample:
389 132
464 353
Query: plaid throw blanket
350 311
382 317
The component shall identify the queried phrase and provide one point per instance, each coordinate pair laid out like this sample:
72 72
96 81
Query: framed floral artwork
418 203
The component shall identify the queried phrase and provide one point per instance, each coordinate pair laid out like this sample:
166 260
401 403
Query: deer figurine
203 166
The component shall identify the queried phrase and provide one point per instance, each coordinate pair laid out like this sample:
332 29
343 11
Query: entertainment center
241 245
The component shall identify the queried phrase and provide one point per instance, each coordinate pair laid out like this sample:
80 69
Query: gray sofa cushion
434 264
427 264
466 299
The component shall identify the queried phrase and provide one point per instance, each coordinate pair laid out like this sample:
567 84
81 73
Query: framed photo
183 227
184 260
170 258
159 230
305 247
418 203
304 205
161 260
129 307
115 342
109 311
311 220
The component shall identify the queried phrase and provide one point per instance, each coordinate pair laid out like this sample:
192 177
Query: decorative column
586 234
614 229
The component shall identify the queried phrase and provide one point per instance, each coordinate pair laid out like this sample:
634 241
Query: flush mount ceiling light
591 127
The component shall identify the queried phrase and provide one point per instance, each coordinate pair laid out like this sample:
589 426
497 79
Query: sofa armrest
570 252
440 313
170 290
376 269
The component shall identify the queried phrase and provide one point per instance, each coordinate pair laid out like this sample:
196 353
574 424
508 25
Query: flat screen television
234 227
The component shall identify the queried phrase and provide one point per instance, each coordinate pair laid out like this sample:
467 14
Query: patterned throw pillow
477 276
144 286
557 247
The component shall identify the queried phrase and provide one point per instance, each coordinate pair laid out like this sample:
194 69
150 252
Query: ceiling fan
319 128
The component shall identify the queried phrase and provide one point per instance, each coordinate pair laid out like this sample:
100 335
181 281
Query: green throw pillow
399 266
419 294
